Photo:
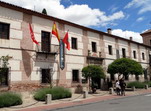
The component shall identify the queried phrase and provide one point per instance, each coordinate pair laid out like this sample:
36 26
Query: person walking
123 86
117 85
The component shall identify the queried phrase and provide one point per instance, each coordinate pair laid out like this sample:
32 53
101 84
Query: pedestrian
123 86
117 85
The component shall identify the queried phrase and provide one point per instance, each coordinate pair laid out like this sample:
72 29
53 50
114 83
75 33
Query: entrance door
4 76
97 81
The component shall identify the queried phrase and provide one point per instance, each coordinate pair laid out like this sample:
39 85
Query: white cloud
140 19
113 8
144 5
79 14
127 34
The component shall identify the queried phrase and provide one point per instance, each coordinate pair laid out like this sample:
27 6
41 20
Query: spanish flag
55 31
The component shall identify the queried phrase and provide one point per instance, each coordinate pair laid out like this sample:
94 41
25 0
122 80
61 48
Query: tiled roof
146 32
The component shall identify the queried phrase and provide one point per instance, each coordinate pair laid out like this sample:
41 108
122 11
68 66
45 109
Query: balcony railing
53 49
98 54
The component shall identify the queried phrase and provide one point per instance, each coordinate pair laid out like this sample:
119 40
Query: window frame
8 30
110 50
74 44
123 52
143 56
134 54
42 46
94 46
77 80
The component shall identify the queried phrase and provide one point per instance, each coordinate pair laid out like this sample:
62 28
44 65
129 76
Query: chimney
109 31
131 38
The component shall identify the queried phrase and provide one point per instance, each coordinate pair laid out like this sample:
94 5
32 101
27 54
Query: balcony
52 50
94 58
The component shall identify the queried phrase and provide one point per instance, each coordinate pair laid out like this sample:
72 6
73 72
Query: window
134 54
45 37
46 78
75 75
126 77
110 49
143 56
145 74
112 77
74 43
123 52
4 30
93 46
4 77
150 59
137 77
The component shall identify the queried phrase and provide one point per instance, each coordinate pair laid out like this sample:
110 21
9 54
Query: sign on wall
62 55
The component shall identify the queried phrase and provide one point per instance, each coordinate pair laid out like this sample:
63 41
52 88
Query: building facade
33 66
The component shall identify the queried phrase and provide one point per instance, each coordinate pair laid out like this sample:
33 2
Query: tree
4 65
44 11
125 66
93 71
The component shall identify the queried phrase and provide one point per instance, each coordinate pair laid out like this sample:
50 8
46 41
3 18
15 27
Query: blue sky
125 17
133 19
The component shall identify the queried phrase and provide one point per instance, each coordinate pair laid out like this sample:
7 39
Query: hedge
9 99
136 84
57 93
148 83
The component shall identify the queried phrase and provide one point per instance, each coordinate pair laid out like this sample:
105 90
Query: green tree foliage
44 11
125 66
4 63
93 71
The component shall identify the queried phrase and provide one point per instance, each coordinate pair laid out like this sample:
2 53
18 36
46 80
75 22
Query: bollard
85 94
111 90
48 98
133 88
146 86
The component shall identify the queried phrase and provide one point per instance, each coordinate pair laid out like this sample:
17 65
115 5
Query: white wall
94 37
110 41
123 44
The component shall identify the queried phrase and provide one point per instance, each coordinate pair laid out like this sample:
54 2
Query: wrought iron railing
53 49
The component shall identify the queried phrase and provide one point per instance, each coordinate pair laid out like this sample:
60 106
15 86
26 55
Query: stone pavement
29 104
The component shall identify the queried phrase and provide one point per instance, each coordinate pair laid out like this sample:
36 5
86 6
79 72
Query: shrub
148 82
57 93
9 99
136 84
41 94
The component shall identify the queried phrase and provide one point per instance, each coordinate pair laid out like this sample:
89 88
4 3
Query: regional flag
66 40
55 31
32 35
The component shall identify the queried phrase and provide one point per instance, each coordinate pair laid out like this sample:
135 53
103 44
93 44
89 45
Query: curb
84 104
93 100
